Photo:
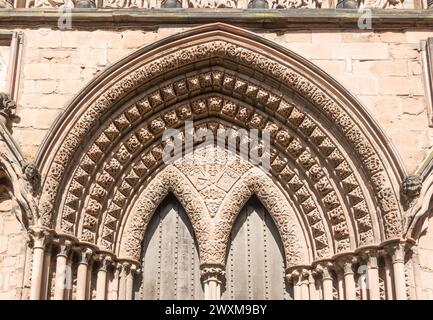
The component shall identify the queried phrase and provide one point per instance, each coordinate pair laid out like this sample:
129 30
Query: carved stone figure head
33 176
6 104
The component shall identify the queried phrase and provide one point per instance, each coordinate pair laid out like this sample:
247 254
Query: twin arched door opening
170 256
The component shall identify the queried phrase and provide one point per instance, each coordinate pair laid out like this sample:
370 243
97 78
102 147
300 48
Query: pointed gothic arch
328 156
168 180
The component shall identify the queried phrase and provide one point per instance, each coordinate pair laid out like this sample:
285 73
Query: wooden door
255 264
171 266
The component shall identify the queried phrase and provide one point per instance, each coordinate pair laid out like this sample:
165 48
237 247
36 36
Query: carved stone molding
107 131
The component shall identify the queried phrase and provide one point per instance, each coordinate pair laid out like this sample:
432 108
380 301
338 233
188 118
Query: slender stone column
212 277
115 283
61 268
130 283
101 280
387 275
84 254
340 279
325 270
397 257
293 277
68 289
89 289
45 293
304 274
40 237
349 279
340 283
363 284
370 256
122 283
312 285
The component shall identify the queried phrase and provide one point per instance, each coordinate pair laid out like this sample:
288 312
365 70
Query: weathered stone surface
382 69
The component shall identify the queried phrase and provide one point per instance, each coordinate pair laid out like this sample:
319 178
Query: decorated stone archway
332 190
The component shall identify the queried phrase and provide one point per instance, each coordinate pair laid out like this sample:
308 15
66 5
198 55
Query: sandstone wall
383 69
13 251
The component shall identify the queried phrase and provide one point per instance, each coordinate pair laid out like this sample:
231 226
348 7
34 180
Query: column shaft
349 286
399 281
101 284
340 282
114 295
82 281
398 272
305 295
373 279
37 269
312 287
388 279
123 287
60 285
130 285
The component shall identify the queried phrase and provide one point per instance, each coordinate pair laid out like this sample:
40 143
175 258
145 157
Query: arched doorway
333 176
170 259
255 266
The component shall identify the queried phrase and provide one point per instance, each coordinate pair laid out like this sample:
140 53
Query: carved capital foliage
85 254
396 251
369 257
212 272
40 237
347 263
64 246
323 269
104 261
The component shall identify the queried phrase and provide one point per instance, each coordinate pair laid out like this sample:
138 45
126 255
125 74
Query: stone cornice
146 19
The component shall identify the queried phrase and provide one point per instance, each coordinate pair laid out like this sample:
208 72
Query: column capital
396 251
126 266
85 254
312 275
65 246
105 260
293 276
117 266
324 269
346 263
212 272
301 274
40 236
370 256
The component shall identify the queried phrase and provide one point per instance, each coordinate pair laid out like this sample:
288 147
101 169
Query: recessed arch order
328 155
